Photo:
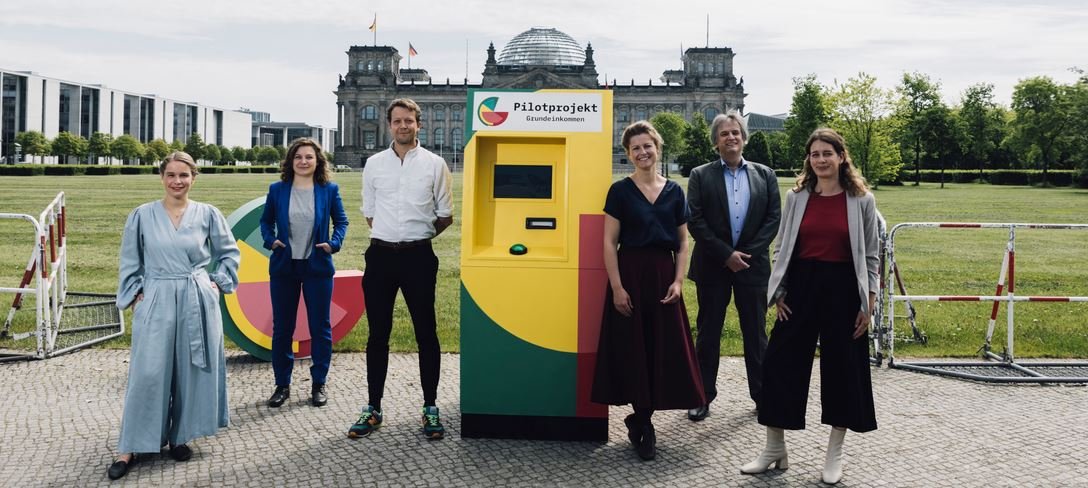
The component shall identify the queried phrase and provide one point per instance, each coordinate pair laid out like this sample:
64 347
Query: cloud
281 57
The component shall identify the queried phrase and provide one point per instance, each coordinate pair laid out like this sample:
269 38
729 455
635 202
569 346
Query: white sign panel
536 111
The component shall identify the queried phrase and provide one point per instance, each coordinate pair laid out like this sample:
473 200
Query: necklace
175 213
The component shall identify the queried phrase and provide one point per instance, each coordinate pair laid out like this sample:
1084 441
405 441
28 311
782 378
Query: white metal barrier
1030 372
46 279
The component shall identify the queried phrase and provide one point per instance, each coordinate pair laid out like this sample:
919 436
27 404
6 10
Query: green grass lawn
933 261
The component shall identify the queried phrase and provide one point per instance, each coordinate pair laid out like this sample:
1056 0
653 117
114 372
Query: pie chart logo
487 114
247 313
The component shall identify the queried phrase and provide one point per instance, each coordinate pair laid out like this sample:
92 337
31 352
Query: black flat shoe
318 398
697 414
279 396
181 453
119 469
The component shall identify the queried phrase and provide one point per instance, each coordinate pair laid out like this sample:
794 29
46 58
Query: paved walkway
61 418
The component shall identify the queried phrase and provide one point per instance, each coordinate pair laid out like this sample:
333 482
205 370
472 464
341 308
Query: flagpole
409 56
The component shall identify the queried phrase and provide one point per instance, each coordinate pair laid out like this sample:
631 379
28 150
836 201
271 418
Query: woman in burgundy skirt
823 286
645 356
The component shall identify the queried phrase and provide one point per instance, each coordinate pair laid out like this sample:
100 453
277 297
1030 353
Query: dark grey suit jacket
709 225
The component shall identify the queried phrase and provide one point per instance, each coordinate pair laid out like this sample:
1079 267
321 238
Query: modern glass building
31 102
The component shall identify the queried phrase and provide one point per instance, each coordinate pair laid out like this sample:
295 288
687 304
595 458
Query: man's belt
400 245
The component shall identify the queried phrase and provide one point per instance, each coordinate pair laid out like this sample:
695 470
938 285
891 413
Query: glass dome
542 46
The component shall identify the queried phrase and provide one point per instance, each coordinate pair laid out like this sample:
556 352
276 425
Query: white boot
833 464
773 454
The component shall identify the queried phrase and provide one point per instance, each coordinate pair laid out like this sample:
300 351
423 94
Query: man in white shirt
407 201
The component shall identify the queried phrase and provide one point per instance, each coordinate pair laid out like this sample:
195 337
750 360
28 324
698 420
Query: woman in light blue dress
177 384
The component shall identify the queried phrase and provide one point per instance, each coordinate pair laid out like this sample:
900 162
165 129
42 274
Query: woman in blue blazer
295 227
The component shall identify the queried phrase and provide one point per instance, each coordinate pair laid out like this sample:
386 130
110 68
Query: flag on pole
412 51
374 25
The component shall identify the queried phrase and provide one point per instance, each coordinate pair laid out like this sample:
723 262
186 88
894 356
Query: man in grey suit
735 210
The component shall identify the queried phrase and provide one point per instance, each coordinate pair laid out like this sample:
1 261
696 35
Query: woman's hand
861 325
674 293
622 301
324 246
215 287
782 311
277 244
139 298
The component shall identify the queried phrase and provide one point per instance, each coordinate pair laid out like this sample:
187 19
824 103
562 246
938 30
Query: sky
284 57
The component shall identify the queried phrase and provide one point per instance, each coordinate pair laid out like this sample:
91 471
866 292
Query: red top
824 234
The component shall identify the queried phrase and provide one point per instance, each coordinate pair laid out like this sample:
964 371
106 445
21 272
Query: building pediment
538 78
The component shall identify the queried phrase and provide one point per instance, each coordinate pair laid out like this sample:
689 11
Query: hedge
106 169
1054 177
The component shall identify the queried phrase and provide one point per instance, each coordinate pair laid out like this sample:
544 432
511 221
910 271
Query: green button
518 249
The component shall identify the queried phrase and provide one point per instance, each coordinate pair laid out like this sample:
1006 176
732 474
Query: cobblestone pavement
61 418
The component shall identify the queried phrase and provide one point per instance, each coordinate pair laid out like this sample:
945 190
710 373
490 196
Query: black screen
521 181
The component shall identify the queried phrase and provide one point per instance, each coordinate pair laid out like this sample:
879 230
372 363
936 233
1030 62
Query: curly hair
287 166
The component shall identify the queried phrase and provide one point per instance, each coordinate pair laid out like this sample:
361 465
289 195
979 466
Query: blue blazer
274 225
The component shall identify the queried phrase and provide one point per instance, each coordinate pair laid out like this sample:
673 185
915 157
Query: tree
176 145
859 109
195 147
757 149
777 143
99 146
808 112
1077 97
983 124
239 154
267 154
226 156
697 147
126 148
1040 118
944 136
156 151
917 95
281 153
69 145
211 153
251 155
34 143
671 128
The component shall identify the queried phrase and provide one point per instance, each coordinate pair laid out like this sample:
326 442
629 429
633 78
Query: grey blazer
709 224
861 216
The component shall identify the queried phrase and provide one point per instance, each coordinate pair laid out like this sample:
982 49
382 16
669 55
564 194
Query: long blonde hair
849 177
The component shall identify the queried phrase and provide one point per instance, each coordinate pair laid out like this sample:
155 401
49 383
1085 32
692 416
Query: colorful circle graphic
487 114
247 313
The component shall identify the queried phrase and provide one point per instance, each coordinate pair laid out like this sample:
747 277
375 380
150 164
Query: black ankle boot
318 398
634 430
647 449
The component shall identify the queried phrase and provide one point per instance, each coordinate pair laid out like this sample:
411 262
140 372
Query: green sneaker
369 421
432 424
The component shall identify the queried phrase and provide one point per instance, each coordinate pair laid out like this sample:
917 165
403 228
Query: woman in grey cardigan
823 286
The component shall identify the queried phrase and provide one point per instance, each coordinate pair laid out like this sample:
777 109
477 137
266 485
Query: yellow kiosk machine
537 168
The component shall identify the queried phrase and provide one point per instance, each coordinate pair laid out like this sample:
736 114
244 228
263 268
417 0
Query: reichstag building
538 58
